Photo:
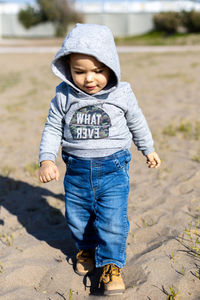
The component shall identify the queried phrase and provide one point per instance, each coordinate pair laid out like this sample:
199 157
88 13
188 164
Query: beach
37 253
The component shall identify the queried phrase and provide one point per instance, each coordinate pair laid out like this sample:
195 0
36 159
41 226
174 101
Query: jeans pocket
122 165
123 161
68 160
128 156
65 158
118 164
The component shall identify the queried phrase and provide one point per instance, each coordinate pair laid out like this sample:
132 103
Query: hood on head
89 39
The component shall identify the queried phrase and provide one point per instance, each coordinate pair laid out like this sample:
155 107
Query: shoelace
83 254
109 271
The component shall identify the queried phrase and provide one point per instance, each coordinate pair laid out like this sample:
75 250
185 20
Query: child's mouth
90 87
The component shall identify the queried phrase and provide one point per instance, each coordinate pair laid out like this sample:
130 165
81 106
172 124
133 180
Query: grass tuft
7 239
1 268
7 170
32 168
172 256
172 295
188 129
160 39
169 130
9 80
196 158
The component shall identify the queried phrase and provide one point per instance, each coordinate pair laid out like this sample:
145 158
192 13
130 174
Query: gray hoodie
95 125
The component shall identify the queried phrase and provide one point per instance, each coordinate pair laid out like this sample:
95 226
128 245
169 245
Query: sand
163 248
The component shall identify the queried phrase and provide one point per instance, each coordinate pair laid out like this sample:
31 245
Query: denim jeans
96 197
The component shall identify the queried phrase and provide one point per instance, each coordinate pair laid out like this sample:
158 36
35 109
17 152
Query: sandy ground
36 250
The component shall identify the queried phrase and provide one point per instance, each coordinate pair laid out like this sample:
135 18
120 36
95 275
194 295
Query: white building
130 17
125 18
11 27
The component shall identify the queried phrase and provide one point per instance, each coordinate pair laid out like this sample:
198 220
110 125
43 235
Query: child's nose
89 77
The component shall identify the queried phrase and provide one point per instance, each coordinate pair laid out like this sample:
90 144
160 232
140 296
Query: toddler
95 117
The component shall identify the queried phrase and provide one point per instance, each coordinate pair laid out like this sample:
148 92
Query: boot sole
114 292
84 273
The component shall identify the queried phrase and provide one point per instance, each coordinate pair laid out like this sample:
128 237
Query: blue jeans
96 196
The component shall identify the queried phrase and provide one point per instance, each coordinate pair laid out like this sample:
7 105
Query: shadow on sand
28 203
43 221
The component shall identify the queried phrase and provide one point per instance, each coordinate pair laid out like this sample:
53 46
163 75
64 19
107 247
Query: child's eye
99 71
78 72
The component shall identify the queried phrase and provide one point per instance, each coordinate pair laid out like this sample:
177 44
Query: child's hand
48 171
153 160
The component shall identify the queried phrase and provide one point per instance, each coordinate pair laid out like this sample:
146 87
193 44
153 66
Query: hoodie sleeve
138 126
53 130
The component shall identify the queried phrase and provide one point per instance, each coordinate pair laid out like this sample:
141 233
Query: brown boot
85 261
112 280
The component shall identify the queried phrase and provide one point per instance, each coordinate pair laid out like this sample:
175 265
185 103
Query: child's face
88 74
